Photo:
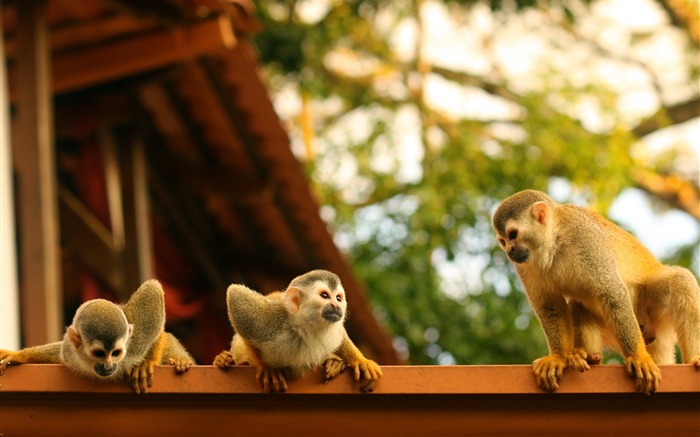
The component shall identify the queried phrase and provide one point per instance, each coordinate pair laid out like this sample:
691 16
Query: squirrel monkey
285 334
593 284
112 342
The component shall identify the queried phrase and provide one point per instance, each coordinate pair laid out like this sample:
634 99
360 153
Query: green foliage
417 228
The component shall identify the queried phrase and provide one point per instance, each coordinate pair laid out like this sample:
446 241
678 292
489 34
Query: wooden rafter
115 60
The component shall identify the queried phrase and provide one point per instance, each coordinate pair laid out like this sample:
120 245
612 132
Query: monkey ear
130 330
539 212
292 299
74 337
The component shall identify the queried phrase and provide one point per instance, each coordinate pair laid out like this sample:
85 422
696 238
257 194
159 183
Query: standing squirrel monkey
286 334
110 342
593 284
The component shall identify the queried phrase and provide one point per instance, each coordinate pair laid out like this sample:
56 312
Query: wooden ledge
410 400
397 380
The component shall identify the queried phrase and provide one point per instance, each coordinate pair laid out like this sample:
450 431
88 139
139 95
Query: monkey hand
224 360
270 379
8 357
645 370
366 371
548 371
141 376
333 366
578 360
181 365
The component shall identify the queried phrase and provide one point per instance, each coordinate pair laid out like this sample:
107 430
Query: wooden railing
409 401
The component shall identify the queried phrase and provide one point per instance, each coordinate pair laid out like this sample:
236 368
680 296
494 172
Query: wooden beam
138 246
90 239
33 149
119 59
90 32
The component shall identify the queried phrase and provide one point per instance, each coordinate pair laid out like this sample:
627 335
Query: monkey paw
333 366
224 360
271 380
368 372
6 358
548 371
645 370
578 360
141 377
180 364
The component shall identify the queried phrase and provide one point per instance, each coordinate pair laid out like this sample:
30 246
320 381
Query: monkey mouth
332 314
103 369
518 254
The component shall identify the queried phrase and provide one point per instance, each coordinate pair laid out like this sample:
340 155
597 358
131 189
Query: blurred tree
417 117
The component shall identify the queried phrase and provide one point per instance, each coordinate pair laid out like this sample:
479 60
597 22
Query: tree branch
668 116
676 192
684 14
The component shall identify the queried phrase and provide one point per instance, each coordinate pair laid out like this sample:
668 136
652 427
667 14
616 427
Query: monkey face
333 303
316 297
328 302
510 243
106 359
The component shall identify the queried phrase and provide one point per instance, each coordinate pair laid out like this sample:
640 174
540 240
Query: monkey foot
141 377
578 360
271 380
548 371
695 361
333 367
181 364
645 370
224 360
368 372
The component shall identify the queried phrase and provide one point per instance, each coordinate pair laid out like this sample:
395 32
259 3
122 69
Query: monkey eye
325 295
339 298
512 235
116 352
98 353
502 242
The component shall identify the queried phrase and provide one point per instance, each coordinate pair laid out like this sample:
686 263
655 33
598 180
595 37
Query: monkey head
100 333
522 223
316 297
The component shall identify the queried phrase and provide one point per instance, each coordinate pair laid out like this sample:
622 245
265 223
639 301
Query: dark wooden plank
33 149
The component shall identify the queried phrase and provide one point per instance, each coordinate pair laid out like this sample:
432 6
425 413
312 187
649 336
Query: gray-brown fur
514 206
307 279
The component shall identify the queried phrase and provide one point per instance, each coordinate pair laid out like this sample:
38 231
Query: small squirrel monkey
110 342
592 285
286 334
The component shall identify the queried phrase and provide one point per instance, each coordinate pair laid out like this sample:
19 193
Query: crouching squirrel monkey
110 342
286 334
593 284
